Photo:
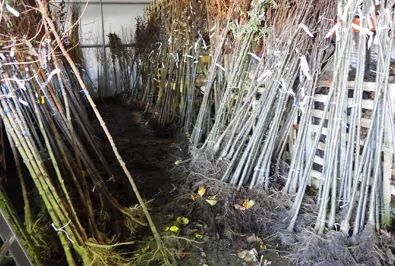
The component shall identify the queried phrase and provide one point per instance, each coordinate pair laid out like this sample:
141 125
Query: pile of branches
250 120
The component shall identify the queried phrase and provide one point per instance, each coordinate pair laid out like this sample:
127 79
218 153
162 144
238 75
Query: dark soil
151 157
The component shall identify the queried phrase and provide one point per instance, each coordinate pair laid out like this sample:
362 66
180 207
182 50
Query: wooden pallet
367 105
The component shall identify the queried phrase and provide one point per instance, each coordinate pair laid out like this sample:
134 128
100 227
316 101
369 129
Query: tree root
161 255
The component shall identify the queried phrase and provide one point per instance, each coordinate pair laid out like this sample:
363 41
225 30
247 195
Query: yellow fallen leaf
248 204
254 239
251 203
198 235
239 207
212 197
211 202
166 228
201 191
178 162
174 229
248 255
184 220
194 197
181 220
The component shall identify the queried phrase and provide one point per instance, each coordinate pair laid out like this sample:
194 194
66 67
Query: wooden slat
314 129
319 160
366 104
367 86
370 86
365 122
321 146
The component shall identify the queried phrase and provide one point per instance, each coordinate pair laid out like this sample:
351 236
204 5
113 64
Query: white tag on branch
23 102
333 30
213 28
21 83
306 29
291 92
196 45
254 56
12 52
12 10
54 72
264 75
221 67
9 95
304 66
362 31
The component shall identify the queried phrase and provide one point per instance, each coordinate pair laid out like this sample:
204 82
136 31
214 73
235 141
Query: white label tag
11 10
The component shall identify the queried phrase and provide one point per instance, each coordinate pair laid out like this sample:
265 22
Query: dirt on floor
156 163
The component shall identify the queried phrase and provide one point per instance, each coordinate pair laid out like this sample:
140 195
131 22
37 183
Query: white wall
119 16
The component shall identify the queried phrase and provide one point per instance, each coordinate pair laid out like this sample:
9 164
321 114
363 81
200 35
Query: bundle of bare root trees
244 79
62 173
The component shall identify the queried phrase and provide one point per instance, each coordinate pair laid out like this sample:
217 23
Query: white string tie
61 229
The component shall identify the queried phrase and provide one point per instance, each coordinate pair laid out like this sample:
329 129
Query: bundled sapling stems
49 129
273 93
